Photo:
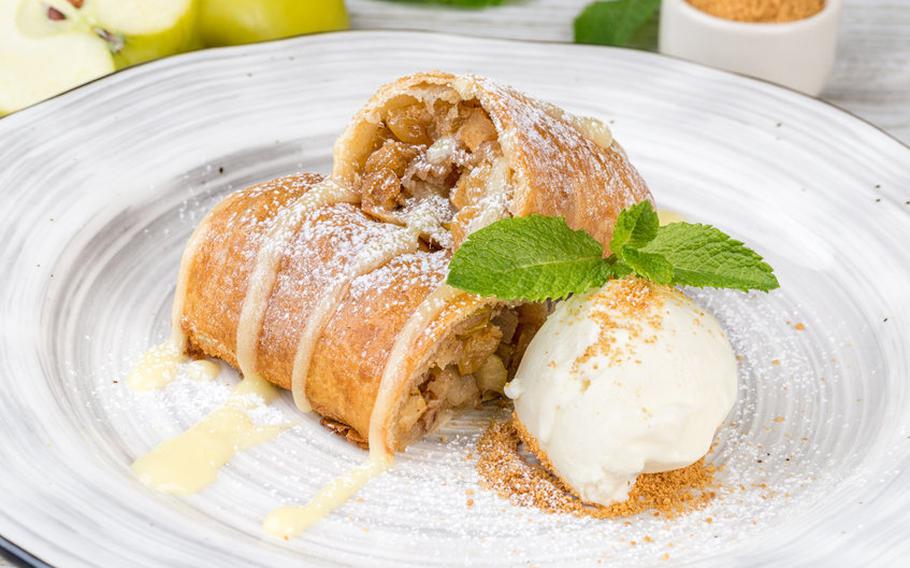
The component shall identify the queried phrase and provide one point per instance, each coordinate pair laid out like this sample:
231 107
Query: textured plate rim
404 31
19 554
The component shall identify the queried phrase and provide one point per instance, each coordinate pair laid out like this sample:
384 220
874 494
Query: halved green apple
35 68
234 22
134 30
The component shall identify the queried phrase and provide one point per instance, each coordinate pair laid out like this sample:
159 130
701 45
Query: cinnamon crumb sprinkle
760 10
504 470
632 299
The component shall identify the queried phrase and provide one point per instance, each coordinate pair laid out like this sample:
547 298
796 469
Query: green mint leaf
648 265
702 255
635 227
618 268
529 258
613 22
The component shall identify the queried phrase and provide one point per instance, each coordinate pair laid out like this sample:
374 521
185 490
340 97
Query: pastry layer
358 285
466 151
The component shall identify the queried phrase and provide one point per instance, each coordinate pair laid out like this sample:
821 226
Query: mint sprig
528 258
702 255
536 258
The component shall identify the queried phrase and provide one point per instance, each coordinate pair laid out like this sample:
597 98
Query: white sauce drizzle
189 462
159 365
667 216
287 522
264 274
592 129
397 242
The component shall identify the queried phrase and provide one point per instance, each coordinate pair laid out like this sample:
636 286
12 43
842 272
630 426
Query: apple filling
436 167
471 365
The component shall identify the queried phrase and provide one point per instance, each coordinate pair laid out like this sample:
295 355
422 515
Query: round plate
102 186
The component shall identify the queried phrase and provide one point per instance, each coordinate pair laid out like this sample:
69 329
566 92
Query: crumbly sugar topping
760 10
513 475
628 305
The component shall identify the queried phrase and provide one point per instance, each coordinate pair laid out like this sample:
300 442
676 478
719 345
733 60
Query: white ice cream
633 378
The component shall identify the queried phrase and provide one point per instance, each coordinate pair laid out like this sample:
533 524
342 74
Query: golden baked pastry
334 287
387 313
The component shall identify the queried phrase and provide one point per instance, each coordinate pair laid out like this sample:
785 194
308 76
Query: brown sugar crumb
666 556
800 326
779 419
775 362
470 503
504 470
632 299
760 10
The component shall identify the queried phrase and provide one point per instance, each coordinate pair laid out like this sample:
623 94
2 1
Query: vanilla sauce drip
390 245
190 462
270 254
287 522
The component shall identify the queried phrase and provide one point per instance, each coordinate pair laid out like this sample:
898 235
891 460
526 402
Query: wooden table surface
871 78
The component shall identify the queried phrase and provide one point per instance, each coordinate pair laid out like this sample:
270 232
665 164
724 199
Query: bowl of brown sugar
789 42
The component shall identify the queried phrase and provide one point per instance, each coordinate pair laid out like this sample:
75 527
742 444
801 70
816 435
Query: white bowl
798 54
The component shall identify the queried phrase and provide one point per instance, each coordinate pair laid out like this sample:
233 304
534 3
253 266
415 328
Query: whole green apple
234 22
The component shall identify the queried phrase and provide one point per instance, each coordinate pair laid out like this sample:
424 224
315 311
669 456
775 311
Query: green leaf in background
529 258
629 23
702 255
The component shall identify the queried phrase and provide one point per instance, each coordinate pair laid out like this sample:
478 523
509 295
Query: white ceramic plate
101 187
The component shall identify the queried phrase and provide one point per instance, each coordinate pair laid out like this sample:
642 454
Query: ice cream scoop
628 379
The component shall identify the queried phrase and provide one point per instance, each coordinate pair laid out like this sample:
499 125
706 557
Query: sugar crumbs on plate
505 470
